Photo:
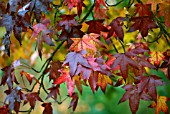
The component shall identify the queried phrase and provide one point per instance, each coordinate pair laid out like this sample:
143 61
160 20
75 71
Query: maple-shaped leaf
43 35
96 26
75 33
134 97
47 108
39 7
67 22
29 77
4 109
74 101
40 27
53 92
32 98
148 84
143 24
14 97
164 11
9 75
88 41
75 58
65 77
160 105
116 27
143 9
123 60
75 3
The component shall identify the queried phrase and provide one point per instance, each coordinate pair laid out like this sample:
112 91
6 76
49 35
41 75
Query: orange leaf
86 42
165 11
160 105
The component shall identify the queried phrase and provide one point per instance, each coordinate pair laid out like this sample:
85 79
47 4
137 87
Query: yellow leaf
160 104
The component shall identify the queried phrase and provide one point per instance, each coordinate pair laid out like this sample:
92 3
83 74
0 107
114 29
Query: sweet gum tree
95 43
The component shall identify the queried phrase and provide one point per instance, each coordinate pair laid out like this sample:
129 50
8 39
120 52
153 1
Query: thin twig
122 45
114 46
87 14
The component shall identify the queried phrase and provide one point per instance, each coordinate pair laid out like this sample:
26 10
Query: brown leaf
143 24
32 98
74 101
47 108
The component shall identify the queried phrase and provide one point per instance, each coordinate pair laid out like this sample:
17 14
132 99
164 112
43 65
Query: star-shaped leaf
134 97
148 84
123 60
88 41
32 98
116 27
143 24
75 58
160 105
96 26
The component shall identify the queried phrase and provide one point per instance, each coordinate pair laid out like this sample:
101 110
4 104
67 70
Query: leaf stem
87 14
122 45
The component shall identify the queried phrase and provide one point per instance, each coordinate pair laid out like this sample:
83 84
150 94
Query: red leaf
93 81
65 77
74 101
116 27
143 9
42 34
123 60
164 11
4 109
32 98
134 97
148 84
143 24
96 26
74 59
75 3
53 92
9 75
29 77
47 108
54 73
67 22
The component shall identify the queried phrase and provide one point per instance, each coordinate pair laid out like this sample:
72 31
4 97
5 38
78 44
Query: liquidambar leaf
143 24
123 60
73 59
160 105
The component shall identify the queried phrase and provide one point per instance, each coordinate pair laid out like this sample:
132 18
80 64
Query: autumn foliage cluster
97 52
